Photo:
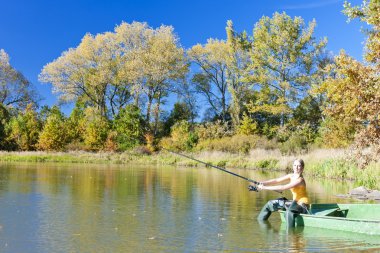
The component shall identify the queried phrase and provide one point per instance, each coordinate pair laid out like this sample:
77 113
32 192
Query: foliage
284 59
181 137
368 12
23 130
15 89
247 126
75 124
54 136
336 133
238 45
266 164
234 144
353 94
309 111
295 138
181 111
213 61
213 130
4 119
130 127
105 70
96 129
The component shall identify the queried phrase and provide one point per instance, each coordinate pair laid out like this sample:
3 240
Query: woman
297 185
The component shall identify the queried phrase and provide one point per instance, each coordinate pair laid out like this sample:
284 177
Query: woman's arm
282 187
277 180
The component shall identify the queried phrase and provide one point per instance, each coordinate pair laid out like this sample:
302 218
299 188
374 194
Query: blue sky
36 32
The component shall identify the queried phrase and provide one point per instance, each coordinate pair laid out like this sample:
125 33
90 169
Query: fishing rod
250 187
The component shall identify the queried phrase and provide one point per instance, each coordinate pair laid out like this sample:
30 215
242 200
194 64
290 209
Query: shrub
213 130
247 126
295 139
233 144
181 137
266 164
129 125
54 136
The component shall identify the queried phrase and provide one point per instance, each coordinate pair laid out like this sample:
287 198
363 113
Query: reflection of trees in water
179 208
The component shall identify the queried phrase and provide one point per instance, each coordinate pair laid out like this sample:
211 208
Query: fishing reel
253 188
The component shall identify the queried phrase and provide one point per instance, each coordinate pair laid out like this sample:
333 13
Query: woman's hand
253 187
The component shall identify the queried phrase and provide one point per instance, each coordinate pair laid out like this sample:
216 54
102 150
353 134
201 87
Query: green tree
284 59
368 12
181 137
130 127
96 129
75 124
181 111
247 126
23 130
4 119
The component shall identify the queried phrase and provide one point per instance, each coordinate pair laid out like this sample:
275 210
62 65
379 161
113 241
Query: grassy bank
319 163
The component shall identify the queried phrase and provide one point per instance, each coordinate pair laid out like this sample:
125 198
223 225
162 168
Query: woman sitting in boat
295 183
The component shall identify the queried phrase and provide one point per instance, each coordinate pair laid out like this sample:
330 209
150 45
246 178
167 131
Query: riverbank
323 163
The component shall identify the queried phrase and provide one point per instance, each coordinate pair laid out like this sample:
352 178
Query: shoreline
320 163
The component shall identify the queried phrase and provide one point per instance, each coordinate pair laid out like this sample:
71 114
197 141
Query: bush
54 135
247 126
294 145
129 125
233 144
295 139
266 164
213 130
181 137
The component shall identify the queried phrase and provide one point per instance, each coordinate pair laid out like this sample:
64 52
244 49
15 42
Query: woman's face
297 167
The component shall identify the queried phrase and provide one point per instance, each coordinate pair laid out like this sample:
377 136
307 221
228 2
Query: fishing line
251 188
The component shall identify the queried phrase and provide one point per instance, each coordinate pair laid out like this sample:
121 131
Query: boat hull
357 218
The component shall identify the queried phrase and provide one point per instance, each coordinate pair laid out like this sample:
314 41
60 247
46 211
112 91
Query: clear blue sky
35 32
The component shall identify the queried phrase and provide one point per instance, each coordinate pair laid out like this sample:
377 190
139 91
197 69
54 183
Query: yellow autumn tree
353 94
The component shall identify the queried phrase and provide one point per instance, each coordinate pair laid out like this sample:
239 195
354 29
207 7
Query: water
100 208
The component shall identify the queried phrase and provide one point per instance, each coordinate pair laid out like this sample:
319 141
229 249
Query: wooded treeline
275 88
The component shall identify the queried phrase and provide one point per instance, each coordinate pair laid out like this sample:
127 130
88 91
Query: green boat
357 218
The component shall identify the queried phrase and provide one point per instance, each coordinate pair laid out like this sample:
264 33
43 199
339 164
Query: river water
134 208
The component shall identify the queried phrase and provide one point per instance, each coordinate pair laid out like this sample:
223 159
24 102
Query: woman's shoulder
300 179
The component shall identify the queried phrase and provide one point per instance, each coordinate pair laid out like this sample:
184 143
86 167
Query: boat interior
351 211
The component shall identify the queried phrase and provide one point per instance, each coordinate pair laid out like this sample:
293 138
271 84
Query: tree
368 13
284 59
248 126
238 45
130 127
86 71
163 64
211 81
54 135
181 111
109 69
75 124
4 119
15 89
353 94
23 130
96 129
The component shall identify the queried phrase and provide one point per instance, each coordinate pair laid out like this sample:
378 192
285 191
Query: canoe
357 218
